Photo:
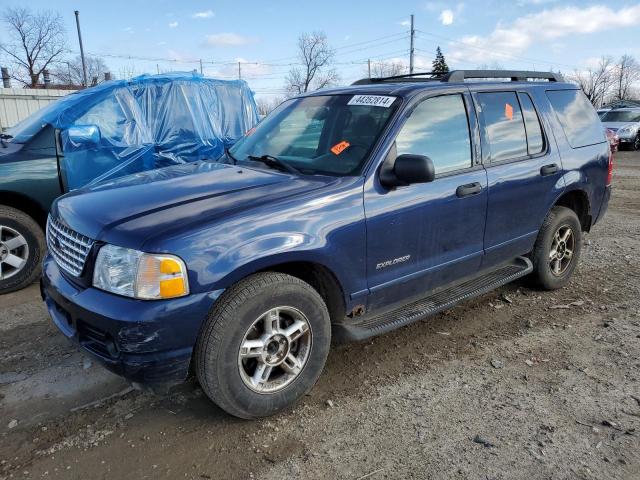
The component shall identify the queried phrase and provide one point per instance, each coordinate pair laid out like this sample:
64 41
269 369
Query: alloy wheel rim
275 349
562 249
14 252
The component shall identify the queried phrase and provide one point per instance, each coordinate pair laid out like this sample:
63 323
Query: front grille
67 247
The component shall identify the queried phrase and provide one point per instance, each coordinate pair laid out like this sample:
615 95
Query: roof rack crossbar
462 75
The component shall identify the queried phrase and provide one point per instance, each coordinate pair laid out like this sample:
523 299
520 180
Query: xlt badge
395 261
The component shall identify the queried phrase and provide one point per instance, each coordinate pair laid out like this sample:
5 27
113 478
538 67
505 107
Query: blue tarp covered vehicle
127 126
101 133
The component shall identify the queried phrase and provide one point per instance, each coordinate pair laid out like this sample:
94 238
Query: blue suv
345 213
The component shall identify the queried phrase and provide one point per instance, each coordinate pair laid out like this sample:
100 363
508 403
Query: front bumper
146 341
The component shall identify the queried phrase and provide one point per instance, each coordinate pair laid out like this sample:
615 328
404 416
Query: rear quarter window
577 117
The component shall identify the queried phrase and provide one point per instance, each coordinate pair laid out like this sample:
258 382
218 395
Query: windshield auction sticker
372 100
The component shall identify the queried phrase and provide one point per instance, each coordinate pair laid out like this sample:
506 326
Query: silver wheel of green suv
14 252
22 246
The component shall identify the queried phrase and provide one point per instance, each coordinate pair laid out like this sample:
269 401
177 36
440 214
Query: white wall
18 103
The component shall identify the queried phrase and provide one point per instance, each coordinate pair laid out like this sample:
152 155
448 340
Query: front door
423 236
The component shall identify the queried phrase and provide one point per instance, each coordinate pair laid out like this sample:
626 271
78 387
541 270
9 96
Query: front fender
263 253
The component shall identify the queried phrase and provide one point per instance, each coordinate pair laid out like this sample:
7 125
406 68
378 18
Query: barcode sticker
372 100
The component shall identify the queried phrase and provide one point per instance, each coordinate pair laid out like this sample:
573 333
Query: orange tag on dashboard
338 148
508 111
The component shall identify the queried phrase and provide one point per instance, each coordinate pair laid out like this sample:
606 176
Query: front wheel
22 246
557 249
264 345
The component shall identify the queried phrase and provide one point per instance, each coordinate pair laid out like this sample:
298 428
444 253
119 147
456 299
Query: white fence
16 104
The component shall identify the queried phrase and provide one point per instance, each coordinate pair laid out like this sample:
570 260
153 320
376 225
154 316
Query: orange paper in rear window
338 148
508 111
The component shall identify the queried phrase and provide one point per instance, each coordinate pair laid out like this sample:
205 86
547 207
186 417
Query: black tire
558 219
218 345
636 143
26 226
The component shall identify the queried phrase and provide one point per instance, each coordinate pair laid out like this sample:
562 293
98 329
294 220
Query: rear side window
535 140
577 117
504 125
439 129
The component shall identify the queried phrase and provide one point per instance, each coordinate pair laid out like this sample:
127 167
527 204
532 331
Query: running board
365 327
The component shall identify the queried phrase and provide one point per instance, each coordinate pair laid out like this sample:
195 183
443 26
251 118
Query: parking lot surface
518 383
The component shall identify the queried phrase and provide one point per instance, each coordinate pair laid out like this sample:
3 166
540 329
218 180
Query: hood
133 209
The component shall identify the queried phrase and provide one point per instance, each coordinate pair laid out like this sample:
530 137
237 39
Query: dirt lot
516 384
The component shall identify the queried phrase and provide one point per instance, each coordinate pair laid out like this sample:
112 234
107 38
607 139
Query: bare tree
36 41
315 71
596 82
267 104
70 72
625 74
384 68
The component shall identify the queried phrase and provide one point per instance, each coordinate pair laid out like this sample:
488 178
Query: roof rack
462 75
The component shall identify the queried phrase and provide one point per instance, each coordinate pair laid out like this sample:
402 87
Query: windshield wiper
274 162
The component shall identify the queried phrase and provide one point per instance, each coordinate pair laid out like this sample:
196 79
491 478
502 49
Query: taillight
610 169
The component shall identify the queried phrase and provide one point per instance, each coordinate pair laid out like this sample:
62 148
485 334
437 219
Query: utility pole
84 65
369 67
413 33
200 66
158 68
239 72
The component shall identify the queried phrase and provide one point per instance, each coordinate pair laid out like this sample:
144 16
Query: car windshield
621 116
328 135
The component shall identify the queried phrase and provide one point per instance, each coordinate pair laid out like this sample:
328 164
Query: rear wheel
636 142
22 246
557 249
264 345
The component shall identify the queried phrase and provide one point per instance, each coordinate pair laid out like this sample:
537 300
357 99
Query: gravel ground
516 384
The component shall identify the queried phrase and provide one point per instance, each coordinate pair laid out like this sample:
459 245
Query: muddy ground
516 384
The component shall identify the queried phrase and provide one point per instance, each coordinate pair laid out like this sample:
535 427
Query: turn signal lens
161 276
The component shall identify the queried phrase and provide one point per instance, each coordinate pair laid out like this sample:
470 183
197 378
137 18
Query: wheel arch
578 201
321 278
25 204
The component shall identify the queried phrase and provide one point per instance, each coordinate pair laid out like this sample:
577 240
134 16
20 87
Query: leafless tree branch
37 40
314 71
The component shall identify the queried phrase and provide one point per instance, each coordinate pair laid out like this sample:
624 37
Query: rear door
423 236
523 170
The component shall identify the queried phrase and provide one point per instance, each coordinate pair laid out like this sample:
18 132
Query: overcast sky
175 35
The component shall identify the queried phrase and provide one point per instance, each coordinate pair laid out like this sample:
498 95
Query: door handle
468 189
549 169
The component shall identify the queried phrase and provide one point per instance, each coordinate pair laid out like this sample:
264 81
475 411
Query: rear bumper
147 342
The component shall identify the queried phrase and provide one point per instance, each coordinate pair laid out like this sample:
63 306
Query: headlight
627 130
141 275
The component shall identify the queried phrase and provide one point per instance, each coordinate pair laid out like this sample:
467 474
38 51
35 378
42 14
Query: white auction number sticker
372 100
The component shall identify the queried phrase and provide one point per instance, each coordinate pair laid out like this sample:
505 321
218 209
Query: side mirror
408 169
83 135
